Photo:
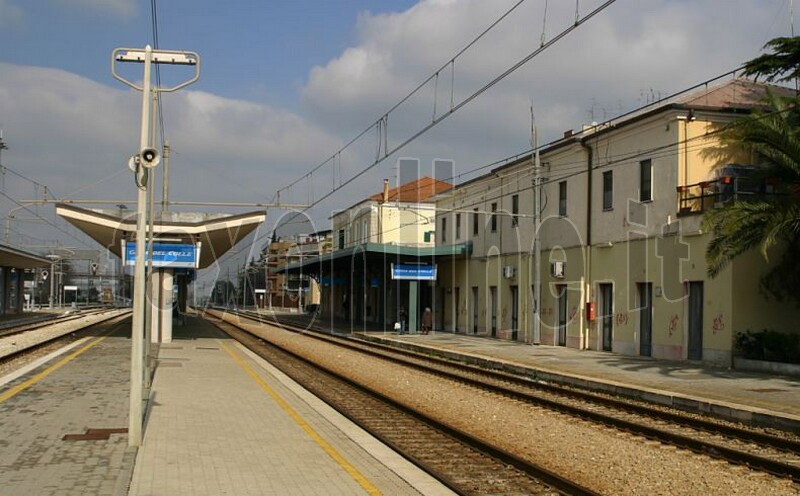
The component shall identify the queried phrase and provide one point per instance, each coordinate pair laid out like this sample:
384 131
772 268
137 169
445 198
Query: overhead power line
381 125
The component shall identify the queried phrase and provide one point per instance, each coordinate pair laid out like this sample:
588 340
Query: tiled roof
737 93
419 190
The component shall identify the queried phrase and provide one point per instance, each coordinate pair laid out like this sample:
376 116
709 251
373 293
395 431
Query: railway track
463 463
11 351
10 331
775 454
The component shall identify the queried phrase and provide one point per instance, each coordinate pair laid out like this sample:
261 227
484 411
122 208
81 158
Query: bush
769 345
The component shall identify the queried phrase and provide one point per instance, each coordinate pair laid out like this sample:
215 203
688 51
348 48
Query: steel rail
535 472
696 445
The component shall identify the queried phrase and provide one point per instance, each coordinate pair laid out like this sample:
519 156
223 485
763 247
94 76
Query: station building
383 265
623 246
13 264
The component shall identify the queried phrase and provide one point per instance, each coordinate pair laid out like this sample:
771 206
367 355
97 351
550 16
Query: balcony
694 199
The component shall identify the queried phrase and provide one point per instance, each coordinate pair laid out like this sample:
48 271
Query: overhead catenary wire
44 219
467 100
660 151
413 92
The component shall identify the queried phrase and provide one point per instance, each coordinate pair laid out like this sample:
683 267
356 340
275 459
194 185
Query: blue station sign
167 255
411 272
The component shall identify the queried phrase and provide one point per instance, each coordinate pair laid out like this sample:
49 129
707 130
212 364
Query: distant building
404 215
14 264
283 288
373 240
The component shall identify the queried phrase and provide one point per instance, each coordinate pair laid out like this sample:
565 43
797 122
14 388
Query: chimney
568 133
385 197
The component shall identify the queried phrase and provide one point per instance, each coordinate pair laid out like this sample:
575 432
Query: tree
783 64
771 219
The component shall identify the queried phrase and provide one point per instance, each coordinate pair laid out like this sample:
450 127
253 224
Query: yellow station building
622 242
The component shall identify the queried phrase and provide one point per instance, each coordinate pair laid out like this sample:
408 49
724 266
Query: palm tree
771 219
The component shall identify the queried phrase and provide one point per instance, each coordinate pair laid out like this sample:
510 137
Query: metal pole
154 283
165 179
52 282
537 250
139 296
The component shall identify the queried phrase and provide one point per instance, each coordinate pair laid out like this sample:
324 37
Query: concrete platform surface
221 421
83 387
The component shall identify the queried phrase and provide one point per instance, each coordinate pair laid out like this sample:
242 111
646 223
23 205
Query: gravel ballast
604 459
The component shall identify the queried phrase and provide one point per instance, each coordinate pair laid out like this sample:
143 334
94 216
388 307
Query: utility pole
141 163
537 222
3 146
165 179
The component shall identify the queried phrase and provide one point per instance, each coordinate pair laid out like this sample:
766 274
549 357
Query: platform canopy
12 257
217 233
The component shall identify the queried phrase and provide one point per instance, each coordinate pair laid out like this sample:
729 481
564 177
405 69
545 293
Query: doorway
645 290
475 309
457 301
514 313
695 320
561 336
607 315
493 304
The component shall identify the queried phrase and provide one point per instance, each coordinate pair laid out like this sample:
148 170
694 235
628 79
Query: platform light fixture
147 158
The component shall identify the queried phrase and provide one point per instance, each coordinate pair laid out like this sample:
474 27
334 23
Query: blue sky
285 83
259 50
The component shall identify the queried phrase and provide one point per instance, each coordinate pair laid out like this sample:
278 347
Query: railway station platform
220 421
754 398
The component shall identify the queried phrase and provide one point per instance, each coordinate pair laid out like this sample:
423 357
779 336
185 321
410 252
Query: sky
285 84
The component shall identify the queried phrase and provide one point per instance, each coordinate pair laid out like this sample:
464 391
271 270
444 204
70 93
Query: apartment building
622 242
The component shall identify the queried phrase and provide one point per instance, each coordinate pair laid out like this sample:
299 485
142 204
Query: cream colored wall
668 264
753 309
634 242
403 224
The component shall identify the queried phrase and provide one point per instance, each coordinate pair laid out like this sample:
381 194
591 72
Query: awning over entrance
399 253
218 233
12 257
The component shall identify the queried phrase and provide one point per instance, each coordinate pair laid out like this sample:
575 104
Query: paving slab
223 421
84 388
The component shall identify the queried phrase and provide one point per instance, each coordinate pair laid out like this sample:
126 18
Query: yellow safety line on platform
330 450
41 375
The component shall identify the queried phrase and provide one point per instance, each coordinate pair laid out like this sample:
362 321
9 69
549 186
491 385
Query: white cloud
611 63
122 8
67 131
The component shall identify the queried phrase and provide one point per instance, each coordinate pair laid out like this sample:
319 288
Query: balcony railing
697 198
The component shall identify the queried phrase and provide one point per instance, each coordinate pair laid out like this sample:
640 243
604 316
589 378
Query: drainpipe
588 288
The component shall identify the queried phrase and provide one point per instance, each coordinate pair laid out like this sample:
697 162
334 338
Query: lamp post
52 274
142 162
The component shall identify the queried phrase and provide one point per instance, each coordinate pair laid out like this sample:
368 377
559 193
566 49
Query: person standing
401 317
427 320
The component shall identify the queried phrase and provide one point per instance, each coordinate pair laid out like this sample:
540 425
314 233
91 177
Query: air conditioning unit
557 270
509 272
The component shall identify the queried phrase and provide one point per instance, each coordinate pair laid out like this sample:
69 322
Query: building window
494 217
514 210
444 229
365 231
562 198
646 180
608 190
341 239
458 226
475 222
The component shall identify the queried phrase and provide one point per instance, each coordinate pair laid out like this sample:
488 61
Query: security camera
149 157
